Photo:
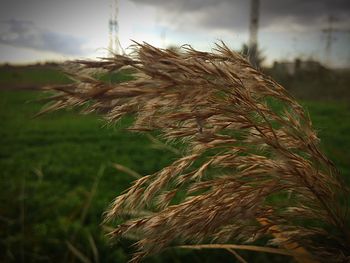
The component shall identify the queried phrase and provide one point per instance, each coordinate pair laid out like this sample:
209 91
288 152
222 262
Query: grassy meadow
57 176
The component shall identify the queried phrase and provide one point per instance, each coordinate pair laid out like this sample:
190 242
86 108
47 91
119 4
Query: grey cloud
26 34
233 14
305 13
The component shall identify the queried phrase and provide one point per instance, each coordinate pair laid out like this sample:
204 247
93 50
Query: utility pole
253 33
114 46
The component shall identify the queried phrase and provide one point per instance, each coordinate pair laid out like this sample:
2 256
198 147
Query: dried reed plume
250 168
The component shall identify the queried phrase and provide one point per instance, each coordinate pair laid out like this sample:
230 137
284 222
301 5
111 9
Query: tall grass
250 170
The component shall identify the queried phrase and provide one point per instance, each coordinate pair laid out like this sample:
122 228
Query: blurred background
57 171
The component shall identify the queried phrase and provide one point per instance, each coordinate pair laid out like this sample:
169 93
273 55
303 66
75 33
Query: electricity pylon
253 32
114 46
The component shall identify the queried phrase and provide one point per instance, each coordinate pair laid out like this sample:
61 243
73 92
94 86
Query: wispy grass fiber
250 167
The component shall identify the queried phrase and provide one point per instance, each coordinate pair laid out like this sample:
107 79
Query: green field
57 177
31 76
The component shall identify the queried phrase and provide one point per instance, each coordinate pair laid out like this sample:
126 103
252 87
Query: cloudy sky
40 30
